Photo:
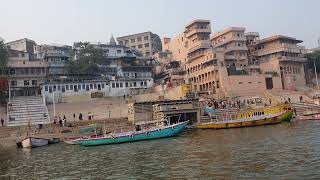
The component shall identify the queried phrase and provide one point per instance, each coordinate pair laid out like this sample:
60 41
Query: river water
283 151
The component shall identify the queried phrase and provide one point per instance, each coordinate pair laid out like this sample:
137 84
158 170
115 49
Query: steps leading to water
21 110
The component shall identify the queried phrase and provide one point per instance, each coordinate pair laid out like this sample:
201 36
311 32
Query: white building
118 87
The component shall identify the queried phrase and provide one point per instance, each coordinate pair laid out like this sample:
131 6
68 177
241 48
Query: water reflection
289 150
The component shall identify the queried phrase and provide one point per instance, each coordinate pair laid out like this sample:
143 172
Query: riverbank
54 131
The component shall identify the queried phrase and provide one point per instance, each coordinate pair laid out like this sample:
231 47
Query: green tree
87 57
3 55
311 58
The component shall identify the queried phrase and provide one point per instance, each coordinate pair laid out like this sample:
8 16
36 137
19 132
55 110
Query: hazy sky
67 21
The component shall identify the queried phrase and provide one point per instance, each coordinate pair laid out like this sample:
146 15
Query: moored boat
153 133
253 117
33 142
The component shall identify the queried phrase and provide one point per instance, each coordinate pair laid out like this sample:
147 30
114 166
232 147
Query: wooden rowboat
32 142
153 133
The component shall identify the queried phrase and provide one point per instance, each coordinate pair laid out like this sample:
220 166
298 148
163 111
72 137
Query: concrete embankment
9 135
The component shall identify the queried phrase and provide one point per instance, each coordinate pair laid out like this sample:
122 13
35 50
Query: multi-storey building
228 63
25 75
232 41
56 55
147 43
283 56
24 45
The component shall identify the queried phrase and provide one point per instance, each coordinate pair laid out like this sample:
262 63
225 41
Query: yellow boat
253 117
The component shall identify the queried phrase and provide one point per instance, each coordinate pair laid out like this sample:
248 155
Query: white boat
32 142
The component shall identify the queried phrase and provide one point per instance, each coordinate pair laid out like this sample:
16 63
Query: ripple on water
284 151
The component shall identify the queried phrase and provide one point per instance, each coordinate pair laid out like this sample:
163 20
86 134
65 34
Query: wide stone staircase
22 110
306 108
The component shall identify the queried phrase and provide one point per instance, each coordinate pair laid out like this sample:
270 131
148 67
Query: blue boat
152 133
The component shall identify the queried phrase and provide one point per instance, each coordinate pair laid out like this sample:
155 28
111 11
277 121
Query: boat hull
287 116
135 136
32 142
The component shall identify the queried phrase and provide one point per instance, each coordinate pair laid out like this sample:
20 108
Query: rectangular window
134 84
50 89
121 85
102 86
95 86
119 51
91 86
147 53
145 83
140 46
63 89
141 84
71 87
133 40
26 83
34 82
46 88
133 47
139 39
146 38
83 86
146 45
87 87
67 87
127 85
58 87
113 85
126 41
54 88
117 85
79 86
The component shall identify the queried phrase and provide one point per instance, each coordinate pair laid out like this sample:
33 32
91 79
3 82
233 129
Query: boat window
289 109
262 113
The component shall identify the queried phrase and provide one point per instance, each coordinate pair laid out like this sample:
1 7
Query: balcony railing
194 31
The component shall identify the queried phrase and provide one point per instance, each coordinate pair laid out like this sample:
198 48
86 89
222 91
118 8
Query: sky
68 21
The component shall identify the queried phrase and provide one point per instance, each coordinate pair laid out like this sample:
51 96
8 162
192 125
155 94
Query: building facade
147 43
56 56
233 62
283 56
24 45
25 75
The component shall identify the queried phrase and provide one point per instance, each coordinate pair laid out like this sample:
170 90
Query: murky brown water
284 151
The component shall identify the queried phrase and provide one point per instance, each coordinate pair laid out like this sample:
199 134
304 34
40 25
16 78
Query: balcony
236 48
203 44
195 31
226 41
282 48
23 64
292 59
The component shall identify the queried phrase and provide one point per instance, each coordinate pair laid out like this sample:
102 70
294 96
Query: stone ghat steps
21 110
302 108
5 132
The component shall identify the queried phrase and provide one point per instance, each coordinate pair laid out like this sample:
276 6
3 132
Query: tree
3 55
311 58
87 59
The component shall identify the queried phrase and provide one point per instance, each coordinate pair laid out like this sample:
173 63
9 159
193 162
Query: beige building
233 62
25 75
232 41
147 43
283 56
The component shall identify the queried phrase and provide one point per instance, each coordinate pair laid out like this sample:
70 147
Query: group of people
223 104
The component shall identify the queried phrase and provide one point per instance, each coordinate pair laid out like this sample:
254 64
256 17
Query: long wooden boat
253 117
153 133
32 142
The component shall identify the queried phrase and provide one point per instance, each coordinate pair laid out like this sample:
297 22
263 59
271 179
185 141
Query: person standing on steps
2 122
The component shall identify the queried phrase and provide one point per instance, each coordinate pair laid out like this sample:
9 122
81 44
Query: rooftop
197 21
123 37
278 37
227 30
